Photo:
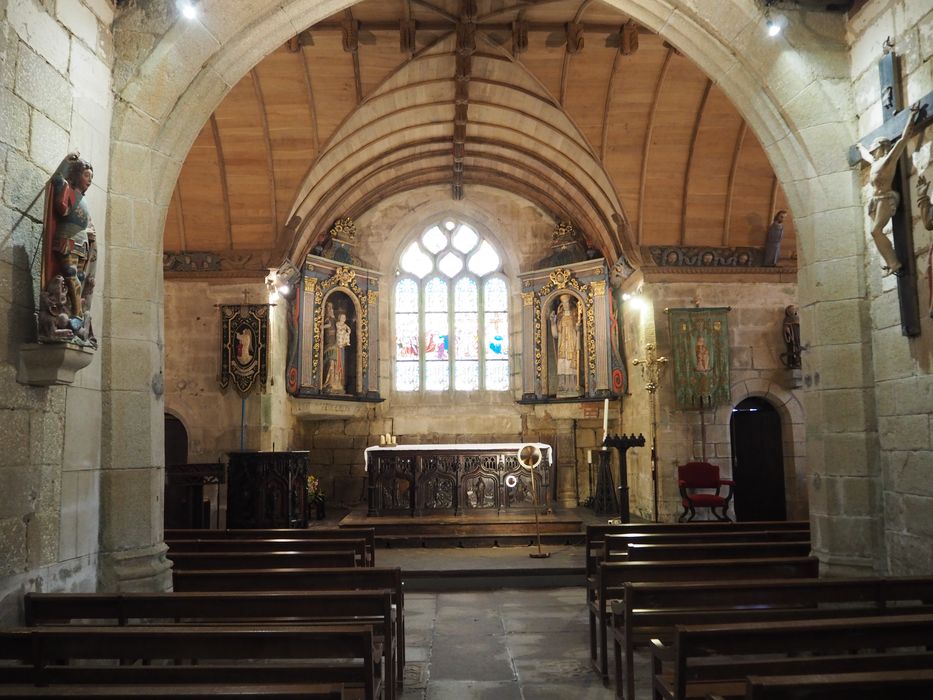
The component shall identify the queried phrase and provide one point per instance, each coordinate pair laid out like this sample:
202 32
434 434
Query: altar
457 479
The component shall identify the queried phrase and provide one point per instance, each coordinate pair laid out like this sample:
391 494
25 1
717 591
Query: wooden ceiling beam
306 72
351 45
436 10
730 189
180 215
270 161
610 91
689 166
224 187
596 29
646 148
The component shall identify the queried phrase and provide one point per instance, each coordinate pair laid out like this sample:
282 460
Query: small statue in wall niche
883 158
565 329
773 241
791 331
69 254
336 341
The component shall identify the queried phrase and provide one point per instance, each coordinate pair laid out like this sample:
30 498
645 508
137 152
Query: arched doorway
183 500
757 461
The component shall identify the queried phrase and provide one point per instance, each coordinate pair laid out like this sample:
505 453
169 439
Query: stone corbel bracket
51 364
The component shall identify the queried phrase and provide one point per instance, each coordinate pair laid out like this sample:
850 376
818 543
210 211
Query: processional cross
895 120
652 368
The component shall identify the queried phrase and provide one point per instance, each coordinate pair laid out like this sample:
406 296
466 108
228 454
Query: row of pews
733 611
254 613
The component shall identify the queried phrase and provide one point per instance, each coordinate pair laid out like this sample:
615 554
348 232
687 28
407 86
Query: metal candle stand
622 443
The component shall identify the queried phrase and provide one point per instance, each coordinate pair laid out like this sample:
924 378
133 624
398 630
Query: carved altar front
457 479
267 490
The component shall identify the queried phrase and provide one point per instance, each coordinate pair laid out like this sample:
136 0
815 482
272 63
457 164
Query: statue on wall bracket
244 347
69 256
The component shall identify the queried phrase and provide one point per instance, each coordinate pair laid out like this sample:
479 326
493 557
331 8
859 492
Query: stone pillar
846 510
132 553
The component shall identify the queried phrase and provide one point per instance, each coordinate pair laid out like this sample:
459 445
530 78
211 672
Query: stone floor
500 645
507 643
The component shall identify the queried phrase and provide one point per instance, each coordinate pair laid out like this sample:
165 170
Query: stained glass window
451 313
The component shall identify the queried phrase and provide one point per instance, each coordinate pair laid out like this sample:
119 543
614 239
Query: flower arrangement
315 493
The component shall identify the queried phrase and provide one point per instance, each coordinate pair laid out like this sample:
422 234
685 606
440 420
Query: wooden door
757 461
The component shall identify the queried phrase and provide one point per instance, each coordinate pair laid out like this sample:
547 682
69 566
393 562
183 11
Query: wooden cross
895 119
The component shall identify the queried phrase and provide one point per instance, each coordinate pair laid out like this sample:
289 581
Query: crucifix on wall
892 201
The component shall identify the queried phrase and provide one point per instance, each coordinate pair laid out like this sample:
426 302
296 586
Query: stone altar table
436 479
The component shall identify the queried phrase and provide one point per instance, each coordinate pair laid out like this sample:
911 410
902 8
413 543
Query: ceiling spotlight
626 296
188 10
774 28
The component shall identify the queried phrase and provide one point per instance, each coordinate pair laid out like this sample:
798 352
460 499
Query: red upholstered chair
703 475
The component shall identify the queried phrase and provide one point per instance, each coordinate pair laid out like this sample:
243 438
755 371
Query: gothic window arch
451 312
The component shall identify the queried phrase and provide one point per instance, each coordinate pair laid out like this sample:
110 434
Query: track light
774 28
189 10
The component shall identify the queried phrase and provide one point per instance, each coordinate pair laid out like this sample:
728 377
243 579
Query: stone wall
755 333
900 485
55 97
522 233
211 415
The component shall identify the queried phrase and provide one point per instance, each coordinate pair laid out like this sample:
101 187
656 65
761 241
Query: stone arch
793 436
792 102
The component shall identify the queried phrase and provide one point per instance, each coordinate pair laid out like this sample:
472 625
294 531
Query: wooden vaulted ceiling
637 147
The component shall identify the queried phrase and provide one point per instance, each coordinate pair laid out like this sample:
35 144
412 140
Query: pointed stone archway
791 101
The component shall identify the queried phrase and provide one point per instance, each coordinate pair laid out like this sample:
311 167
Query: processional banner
700 354
243 347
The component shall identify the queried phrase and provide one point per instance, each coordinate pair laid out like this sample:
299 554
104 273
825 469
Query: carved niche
572 298
332 332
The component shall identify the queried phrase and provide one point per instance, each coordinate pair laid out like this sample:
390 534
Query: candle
382 439
605 418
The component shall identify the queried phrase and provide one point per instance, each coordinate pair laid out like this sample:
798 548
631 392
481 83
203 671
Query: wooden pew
357 545
271 691
332 579
371 607
615 547
650 610
877 685
346 654
716 659
596 534
611 577
369 534
717 550
188 561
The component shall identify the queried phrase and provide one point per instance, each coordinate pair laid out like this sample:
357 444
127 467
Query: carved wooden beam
628 40
519 37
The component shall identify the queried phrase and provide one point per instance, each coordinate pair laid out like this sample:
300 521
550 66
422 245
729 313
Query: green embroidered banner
700 354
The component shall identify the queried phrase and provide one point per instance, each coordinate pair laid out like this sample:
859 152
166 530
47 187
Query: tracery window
451 313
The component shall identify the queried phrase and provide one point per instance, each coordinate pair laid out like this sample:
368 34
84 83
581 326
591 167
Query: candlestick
605 418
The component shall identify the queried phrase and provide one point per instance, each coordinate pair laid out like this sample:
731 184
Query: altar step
469 530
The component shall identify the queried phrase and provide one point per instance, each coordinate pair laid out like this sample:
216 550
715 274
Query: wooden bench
357 545
716 550
615 547
877 685
302 580
596 534
371 607
179 691
188 561
716 659
369 534
611 577
335 654
650 610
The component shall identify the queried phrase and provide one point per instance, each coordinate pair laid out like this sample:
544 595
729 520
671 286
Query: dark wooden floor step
523 539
